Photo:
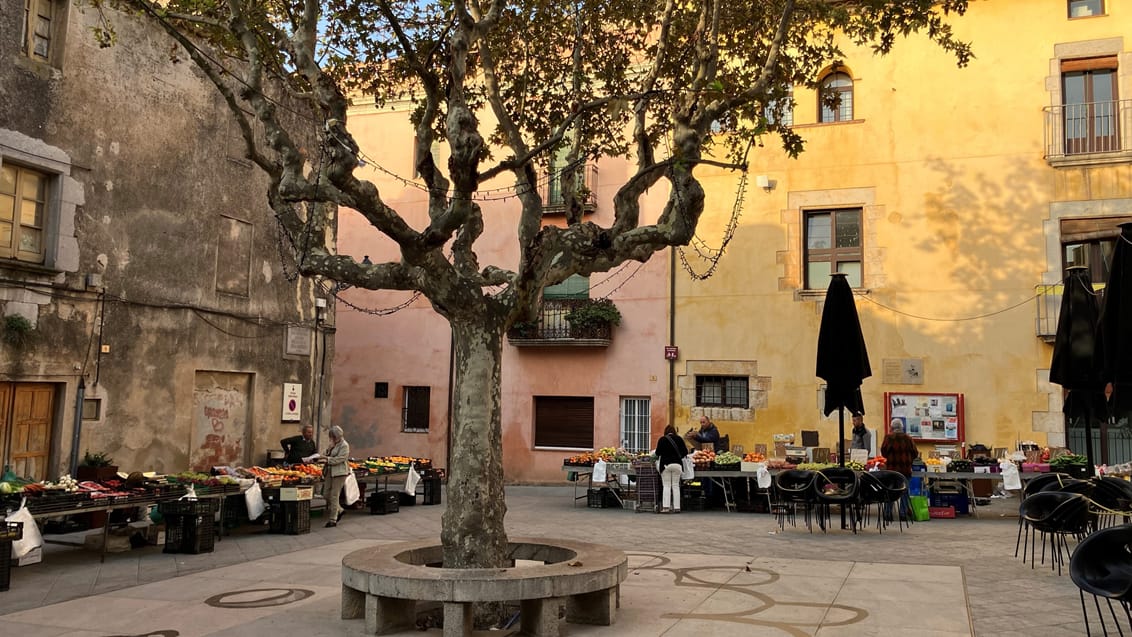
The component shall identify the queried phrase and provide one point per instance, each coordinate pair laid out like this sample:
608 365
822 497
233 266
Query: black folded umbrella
843 361
1074 364
1114 339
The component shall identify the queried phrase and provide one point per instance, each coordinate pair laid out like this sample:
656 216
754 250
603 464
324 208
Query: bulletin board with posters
927 417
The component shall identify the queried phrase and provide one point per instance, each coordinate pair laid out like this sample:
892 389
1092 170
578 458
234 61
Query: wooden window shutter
564 421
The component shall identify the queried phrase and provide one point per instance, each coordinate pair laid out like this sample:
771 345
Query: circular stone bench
384 584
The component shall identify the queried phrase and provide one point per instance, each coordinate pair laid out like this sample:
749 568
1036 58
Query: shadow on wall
360 432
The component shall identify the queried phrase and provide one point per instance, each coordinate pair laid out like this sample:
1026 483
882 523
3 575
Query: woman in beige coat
337 468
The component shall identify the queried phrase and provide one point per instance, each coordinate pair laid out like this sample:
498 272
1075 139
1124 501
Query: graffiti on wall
220 420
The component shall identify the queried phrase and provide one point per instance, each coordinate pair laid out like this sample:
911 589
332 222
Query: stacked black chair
1057 515
895 493
1112 501
838 486
871 492
793 489
1040 483
1102 567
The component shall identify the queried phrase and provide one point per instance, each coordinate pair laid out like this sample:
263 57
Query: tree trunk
472 528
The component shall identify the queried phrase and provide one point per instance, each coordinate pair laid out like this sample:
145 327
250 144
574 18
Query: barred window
722 391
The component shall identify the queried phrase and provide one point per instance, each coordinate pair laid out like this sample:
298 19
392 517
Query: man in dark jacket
708 432
298 447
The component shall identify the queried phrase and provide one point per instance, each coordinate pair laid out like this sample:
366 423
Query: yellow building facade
954 198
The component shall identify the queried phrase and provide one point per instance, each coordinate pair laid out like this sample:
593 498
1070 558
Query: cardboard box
295 494
751 467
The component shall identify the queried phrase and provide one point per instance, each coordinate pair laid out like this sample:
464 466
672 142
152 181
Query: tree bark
472 530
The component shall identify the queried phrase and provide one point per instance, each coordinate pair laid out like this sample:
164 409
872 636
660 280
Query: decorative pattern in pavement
761 603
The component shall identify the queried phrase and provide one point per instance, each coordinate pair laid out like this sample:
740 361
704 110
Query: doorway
26 413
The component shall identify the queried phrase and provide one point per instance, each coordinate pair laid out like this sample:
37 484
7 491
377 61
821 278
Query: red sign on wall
671 352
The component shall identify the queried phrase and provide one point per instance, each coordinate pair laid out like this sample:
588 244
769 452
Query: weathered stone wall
163 252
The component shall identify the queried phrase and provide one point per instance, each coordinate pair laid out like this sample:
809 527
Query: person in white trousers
670 450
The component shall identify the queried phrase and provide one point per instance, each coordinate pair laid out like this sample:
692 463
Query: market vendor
862 438
298 447
708 433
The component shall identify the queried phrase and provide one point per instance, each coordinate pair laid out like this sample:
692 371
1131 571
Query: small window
835 99
1085 8
564 421
833 244
23 213
92 409
722 391
414 412
635 419
37 29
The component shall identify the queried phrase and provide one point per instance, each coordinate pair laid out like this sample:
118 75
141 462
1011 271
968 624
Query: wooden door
5 420
30 440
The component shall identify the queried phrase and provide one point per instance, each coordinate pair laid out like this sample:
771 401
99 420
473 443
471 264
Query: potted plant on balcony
593 318
97 467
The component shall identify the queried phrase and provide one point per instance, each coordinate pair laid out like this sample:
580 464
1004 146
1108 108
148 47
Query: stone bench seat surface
400 571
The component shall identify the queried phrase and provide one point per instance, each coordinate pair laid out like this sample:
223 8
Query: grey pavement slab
706 573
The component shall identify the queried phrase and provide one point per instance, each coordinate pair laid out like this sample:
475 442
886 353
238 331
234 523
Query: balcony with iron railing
554 199
1049 308
1088 133
552 329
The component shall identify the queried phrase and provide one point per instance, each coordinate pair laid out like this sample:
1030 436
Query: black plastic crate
431 491
235 511
407 499
206 507
692 504
384 502
11 531
957 500
189 533
6 563
291 518
602 498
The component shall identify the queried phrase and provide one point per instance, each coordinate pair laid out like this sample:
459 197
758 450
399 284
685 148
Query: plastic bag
599 471
351 489
920 508
254 499
689 468
411 482
1010 477
31 539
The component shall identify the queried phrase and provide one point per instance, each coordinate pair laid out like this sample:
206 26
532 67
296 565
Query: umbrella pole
1089 438
841 456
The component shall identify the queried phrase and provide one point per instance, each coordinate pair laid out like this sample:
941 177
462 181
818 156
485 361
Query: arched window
835 100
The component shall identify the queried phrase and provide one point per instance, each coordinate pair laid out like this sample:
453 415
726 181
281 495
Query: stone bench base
384 584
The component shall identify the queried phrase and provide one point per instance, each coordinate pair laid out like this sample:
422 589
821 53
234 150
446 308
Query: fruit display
854 465
878 462
727 460
754 456
608 454
703 458
817 466
779 463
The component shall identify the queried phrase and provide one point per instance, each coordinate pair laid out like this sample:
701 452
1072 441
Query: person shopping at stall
899 450
334 475
670 449
298 447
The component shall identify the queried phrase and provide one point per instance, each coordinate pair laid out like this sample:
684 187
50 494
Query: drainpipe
76 436
672 333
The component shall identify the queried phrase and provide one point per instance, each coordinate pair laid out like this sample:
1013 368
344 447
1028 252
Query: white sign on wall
292 401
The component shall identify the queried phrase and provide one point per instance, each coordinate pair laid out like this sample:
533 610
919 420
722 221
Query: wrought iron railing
553 197
551 325
1089 128
1049 308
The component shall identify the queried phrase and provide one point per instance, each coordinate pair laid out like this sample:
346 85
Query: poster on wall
292 401
926 417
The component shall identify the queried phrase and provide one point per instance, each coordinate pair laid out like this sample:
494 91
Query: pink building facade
393 367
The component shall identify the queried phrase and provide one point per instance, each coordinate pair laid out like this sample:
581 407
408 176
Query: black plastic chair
1102 567
1112 501
1032 486
895 492
793 488
836 486
1057 516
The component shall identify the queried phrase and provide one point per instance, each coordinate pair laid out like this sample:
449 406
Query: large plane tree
653 81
